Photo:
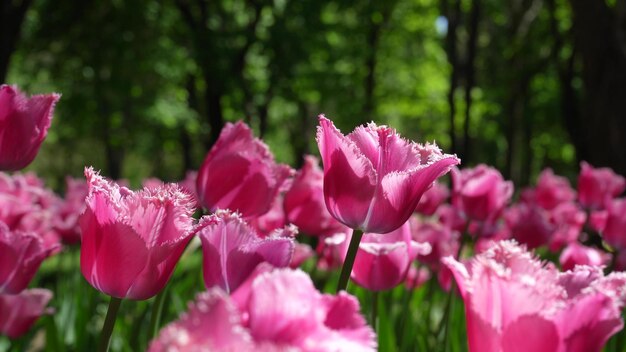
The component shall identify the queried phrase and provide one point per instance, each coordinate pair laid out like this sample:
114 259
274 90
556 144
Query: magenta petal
19 312
530 333
232 249
121 256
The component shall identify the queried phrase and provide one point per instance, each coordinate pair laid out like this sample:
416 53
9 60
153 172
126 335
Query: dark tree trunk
453 15
600 129
470 72
12 15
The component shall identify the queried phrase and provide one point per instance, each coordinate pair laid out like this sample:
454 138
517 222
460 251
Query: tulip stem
157 312
374 310
109 323
346 270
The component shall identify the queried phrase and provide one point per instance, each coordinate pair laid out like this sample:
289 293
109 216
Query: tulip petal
530 333
121 256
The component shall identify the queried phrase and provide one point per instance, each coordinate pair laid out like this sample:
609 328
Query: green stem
157 312
109 323
349 262
375 310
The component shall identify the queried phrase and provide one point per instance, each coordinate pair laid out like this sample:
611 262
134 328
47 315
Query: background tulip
21 254
304 201
596 186
240 173
19 312
231 249
24 124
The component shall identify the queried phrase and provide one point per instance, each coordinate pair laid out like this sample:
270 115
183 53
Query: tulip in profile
21 254
373 178
279 311
596 186
577 254
231 249
513 302
383 260
240 173
613 226
481 192
432 199
131 241
24 124
304 202
551 190
19 312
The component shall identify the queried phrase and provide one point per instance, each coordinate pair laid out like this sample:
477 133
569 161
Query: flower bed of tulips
375 250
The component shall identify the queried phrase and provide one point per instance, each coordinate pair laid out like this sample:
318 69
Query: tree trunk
599 39
12 15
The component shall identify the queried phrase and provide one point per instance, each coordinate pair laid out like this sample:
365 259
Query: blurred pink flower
442 240
432 199
529 225
240 173
21 254
614 229
577 254
131 241
304 202
19 312
68 210
374 179
514 301
301 253
274 219
383 260
280 311
550 191
232 249
24 124
481 192
568 220
596 186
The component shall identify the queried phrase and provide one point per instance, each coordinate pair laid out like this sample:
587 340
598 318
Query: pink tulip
596 186
304 202
240 173
188 184
416 277
383 260
577 254
481 192
551 190
301 253
19 312
614 229
21 254
131 241
568 220
529 225
432 199
513 302
274 219
442 240
69 209
232 249
281 311
374 179
24 124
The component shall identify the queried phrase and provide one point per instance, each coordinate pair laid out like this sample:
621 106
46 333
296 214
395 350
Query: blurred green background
147 85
